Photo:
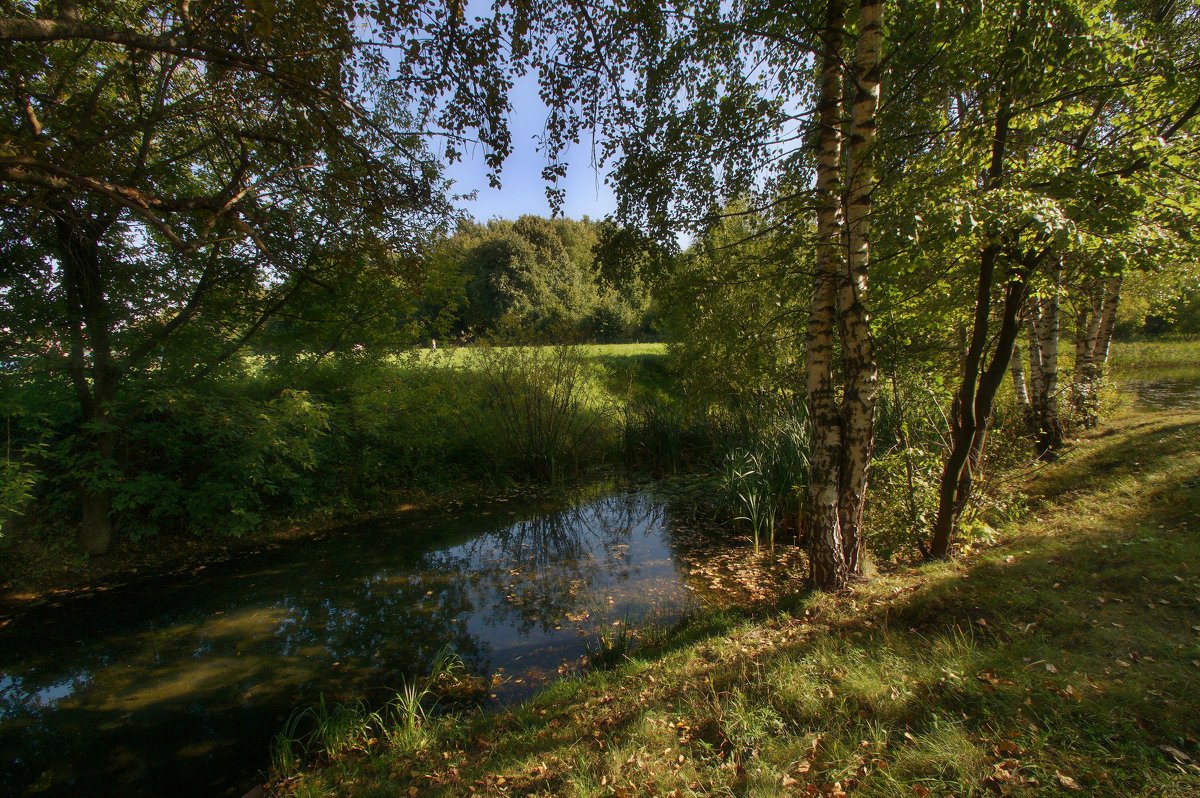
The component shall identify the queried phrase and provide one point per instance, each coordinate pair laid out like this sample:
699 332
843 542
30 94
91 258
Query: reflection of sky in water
179 685
14 695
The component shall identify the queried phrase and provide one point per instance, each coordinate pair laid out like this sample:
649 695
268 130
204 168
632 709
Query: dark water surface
176 687
1166 392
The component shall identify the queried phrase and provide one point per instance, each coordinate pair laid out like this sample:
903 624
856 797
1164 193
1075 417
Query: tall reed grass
765 470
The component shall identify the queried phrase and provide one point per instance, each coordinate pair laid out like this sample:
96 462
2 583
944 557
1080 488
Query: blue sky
523 190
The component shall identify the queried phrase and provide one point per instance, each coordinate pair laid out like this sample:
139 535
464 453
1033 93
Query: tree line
551 280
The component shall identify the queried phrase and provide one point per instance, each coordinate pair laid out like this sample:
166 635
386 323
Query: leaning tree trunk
89 331
826 562
860 371
971 407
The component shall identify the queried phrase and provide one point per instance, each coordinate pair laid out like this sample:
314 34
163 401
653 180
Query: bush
540 413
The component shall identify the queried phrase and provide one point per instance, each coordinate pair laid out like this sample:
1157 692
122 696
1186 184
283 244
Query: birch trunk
1085 388
827 562
1087 330
1020 389
1036 386
860 372
1046 410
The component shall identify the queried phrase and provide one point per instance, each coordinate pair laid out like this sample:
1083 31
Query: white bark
1020 389
826 561
861 373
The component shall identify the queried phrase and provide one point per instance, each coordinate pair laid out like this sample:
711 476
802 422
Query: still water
177 686
1165 392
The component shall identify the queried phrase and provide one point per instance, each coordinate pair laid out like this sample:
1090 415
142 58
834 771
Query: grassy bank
1064 658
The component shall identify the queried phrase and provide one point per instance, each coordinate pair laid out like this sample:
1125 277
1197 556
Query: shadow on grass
1064 659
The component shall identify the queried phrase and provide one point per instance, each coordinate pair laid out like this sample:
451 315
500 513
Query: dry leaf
1176 754
1066 782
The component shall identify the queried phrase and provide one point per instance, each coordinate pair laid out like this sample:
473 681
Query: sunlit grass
466 355
1062 658
1175 356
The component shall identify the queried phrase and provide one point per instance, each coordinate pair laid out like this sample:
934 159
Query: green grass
462 355
1139 356
1065 658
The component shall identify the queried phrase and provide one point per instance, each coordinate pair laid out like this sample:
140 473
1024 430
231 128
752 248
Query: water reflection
177 686
1167 393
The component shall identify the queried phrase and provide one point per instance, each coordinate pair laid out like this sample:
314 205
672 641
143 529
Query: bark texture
826 561
859 368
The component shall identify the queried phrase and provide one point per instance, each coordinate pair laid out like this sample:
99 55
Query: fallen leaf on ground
1066 782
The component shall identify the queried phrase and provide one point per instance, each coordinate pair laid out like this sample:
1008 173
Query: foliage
763 479
732 306
553 280
537 415
17 480
152 229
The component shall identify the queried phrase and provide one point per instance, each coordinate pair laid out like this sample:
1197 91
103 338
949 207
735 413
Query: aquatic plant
326 731
763 479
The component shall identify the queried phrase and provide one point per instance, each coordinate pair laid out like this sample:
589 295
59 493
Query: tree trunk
1087 329
1036 386
89 331
969 435
1047 327
1020 388
971 405
1092 351
860 372
826 562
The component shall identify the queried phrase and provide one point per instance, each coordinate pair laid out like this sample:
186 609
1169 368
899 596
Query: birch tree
1061 186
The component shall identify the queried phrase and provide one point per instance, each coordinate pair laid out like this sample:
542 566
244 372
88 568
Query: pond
1165 392
178 685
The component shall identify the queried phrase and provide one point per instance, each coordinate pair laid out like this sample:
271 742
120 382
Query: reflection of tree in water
534 573
389 621
221 657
